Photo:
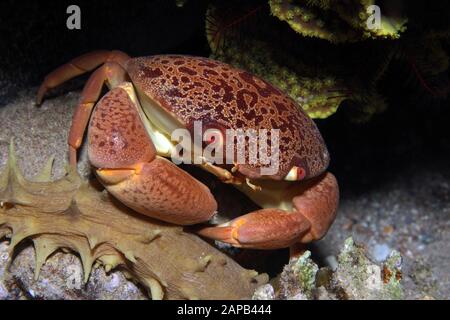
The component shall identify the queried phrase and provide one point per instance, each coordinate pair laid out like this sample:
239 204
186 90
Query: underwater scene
225 150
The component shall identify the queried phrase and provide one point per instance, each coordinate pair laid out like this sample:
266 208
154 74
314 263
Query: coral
306 21
392 275
74 214
302 272
326 55
355 278
319 95
336 21
358 278
318 92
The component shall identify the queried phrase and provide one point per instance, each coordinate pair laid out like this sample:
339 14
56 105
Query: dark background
34 40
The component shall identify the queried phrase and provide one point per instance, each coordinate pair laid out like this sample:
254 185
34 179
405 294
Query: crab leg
126 163
78 66
111 72
313 211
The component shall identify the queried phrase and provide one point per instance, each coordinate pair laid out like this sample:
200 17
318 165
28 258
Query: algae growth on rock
356 277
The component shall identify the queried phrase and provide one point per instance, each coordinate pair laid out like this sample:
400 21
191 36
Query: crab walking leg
110 73
126 163
78 66
313 211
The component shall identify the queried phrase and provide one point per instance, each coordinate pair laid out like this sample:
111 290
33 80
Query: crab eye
295 174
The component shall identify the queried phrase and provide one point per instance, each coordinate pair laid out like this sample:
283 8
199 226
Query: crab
130 146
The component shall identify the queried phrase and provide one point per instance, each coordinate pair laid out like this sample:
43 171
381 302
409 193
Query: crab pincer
312 210
126 162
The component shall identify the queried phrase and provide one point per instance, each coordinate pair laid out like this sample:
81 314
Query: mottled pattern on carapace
117 136
197 88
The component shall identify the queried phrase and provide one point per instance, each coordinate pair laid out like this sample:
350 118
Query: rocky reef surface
355 277
61 277
409 214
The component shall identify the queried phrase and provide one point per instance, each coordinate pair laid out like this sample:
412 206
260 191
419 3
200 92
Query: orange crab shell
200 89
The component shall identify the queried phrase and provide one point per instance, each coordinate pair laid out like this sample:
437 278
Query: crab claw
161 190
313 211
126 164
262 229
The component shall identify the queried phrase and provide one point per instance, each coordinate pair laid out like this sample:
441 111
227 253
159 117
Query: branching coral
325 53
307 21
318 92
318 95
337 21
74 214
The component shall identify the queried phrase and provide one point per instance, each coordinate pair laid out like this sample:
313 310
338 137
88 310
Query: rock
358 278
61 277
265 292
298 278
355 277
9 290
39 133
